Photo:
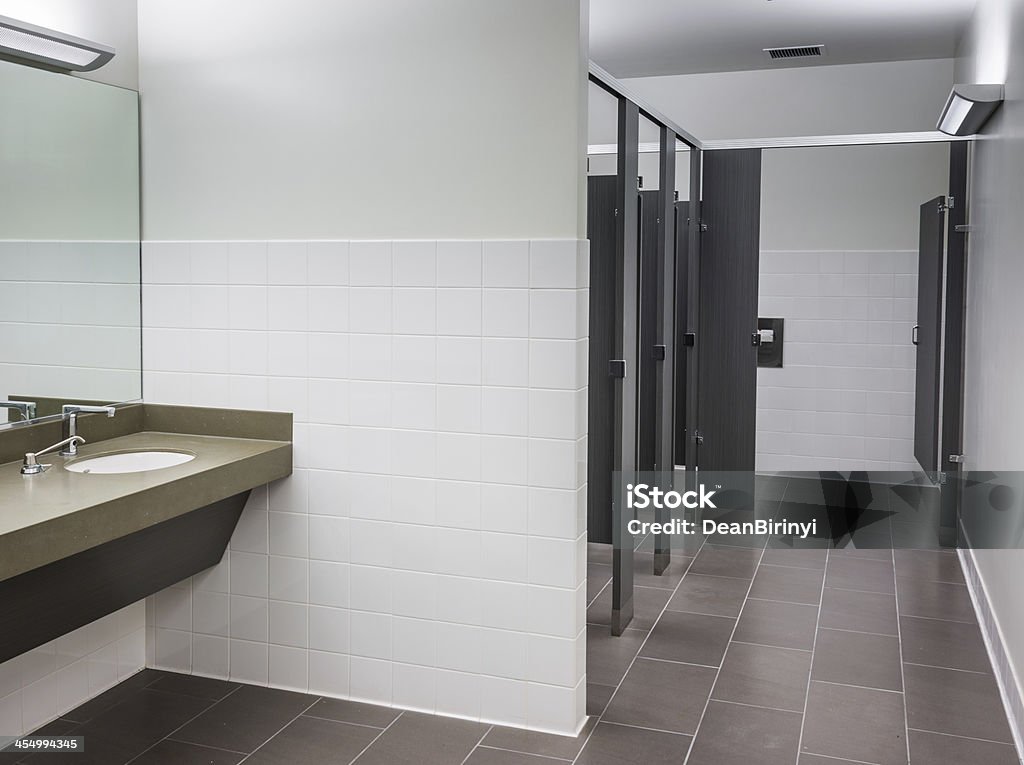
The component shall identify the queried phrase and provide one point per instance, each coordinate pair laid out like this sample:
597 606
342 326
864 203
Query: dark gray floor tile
599 553
770 486
764 676
662 695
931 565
598 576
179 753
788 625
813 759
857 573
955 645
857 658
718 560
342 710
856 724
418 739
542 744
731 734
793 585
193 685
691 638
643 570
648 603
245 719
621 745
955 702
935 600
126 730
310 739
115 695
862 553
936 749
797 557
608 657
861 611
714 595
598 697
485 756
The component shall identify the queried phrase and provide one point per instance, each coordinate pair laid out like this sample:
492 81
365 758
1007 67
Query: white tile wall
429 550
69 319
844 399
53 679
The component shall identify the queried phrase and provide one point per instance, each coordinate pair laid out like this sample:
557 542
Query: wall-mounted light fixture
23 42
968 108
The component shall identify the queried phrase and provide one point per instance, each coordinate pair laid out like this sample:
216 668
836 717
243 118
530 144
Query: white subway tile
506 313
287 308
289 624
288 668
329 674
506 264
328 263
247 262
370 264
328 309
370 680
329 629
249 618
370 310
415 264
459 264
553 314
289 579
211 656
414 311
287 263
506 362
459 360
328 584
504 411
249 662
553 263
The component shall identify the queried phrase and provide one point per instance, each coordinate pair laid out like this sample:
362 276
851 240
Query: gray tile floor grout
377 737
810 669
315 702
899 639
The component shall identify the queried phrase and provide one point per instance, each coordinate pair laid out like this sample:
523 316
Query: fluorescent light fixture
968 108
21 41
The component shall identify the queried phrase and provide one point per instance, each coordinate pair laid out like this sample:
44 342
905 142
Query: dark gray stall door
727 356
927 333
650 283
601 393
682 302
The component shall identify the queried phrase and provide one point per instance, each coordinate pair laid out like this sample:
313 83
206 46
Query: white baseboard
995 644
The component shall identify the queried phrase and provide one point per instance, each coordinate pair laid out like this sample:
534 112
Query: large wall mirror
70 317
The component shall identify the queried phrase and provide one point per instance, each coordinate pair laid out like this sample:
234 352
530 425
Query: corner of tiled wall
429 551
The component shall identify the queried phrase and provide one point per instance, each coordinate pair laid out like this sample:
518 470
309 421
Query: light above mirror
968 108
22 41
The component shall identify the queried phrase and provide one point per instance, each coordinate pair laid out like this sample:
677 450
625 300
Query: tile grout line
317 700
476 745
966 738
735 626
903 679
195 716
810 670
375 738
528 754
600 717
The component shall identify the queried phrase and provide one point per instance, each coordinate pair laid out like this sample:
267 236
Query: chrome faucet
71 412
26 408
31 466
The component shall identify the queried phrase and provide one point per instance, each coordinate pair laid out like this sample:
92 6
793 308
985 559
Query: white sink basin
129 462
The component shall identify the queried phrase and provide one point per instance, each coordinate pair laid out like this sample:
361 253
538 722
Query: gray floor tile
956 645
797 557
485 756
543 744
813 759
718 560
648 603
936 566
622 745
714 595
245 719
598 576
310 739
937 749
662 695
598 697
342 710
418 739
861 611
861 553
764 676
193 685
955 702
788 625
856 658
935 600
731 734
643 570
691 638
608 657
114 696
857 573
793 585
178 753
856 724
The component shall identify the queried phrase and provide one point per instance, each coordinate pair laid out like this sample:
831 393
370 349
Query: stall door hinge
957 459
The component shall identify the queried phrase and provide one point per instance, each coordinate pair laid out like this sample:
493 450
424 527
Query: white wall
301 120
425 321
993 51
111 22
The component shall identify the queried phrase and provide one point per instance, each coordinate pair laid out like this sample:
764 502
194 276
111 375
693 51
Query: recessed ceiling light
21 41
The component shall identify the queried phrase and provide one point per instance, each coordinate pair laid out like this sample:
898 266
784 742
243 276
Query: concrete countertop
55 514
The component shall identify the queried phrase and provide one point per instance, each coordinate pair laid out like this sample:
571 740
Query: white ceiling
639 38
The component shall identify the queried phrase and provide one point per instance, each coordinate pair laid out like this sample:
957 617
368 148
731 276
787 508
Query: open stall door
927 334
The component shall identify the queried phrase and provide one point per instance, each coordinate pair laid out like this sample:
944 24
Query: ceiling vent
796 51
